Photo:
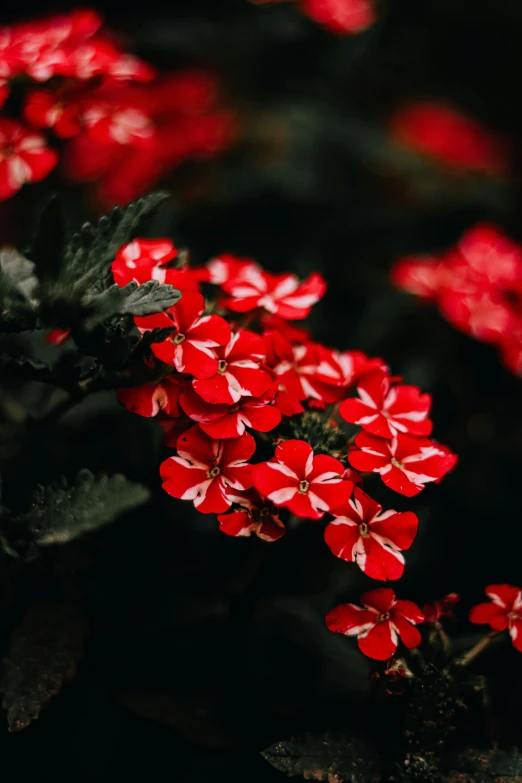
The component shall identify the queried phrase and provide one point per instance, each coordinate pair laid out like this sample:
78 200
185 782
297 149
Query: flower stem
477 649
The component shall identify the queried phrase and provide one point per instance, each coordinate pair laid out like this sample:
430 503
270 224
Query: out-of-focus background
205 649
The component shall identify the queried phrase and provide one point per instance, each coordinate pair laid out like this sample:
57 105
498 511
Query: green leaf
133 299
85 268
18 286
89 254
43 653
61 513
485 765
330 757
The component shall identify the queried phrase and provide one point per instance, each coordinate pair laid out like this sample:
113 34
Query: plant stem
477 649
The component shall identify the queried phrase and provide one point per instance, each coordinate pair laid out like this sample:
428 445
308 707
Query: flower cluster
117 133
235 366
477 287
383 619
343 17
448 136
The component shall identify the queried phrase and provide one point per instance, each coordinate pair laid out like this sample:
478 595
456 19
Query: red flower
143 260
449 136
208 471
379 624
338 16
434 611
137 133
256 516
57 336
191 347
386 410
308 485
361 534
153 398
504 611
416 276
354 364
23 158
227 267
477 286
482 315
341 16
282 295
231 421
45 109
238 372
405 464
173 428
312 372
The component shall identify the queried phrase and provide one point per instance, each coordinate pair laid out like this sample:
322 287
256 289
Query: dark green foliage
18 286
331 757
22 367
133 299
314 427
79 291
485 765
60 513
43 653
430 710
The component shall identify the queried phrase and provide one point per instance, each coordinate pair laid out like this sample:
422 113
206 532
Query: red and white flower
142 260
311 374
255 516
503 611
238 372
113 124
385 410
352 365
191 348
231 421
227 267
307 484
404 463
379 623
208 471
417 276
46 109
362 533
23 157
153 398
282 295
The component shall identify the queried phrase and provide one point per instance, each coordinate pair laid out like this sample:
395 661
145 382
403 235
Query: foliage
43 653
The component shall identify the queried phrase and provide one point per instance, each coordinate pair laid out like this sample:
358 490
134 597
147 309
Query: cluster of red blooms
449 137
121 135
477 287
383 619
338 16
223 386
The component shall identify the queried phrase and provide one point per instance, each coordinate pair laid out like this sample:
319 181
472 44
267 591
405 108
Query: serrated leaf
18 285
331 756
85 268
89 254
486 765
133 299
61 513
43 653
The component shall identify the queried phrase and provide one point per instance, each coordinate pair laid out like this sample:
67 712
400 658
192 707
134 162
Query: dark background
204 649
